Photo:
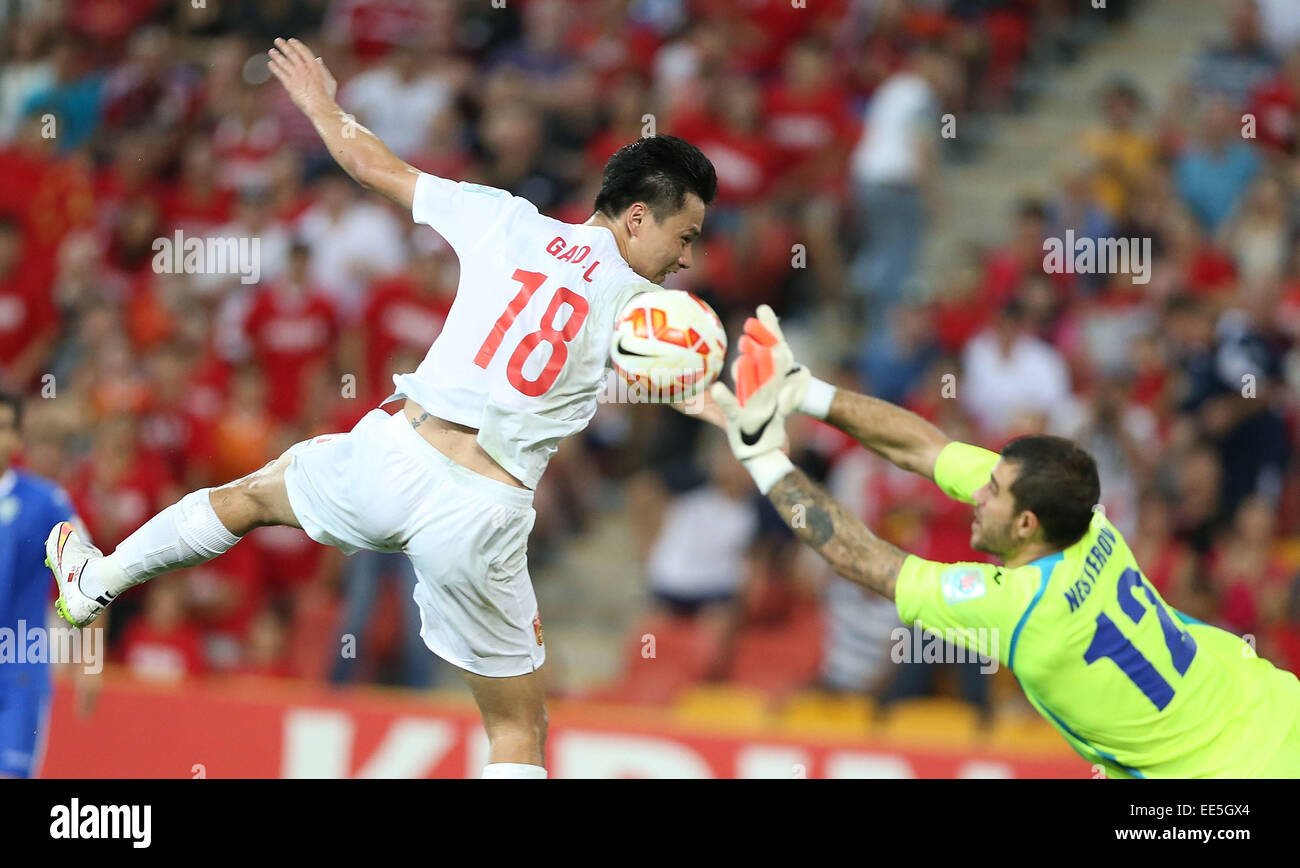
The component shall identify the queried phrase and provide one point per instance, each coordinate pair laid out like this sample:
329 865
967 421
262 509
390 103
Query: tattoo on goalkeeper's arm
850 548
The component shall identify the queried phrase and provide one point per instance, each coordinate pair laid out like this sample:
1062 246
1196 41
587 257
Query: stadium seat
681 656
781 657
823 713
722 706
945 720
1024 731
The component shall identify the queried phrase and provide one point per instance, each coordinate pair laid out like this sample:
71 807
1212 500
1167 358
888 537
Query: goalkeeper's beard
991 538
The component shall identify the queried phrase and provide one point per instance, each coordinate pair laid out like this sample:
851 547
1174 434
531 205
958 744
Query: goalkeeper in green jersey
1131 683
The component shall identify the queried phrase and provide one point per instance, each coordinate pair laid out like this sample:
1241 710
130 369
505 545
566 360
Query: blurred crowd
124 122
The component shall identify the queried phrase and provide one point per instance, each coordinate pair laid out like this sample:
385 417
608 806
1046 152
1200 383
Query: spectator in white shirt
25 73
397 99
700 561
1281 23
893 170
1120 434
350 241
1007 370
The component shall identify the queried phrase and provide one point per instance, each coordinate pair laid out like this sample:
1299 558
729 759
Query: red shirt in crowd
237 577
115 502
109 20
766 28
745 163
50 196
243 150
197 212
604 144
176 432
1159 571
956 322
27 311
1286 638
1210 270
1241 596
612 45
374 26
162 654
1276 107
399 317
813 133
288 557
292 331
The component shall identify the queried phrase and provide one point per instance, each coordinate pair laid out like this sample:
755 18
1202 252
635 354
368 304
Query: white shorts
383 487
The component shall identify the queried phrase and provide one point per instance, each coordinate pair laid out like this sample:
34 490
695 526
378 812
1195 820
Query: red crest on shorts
537 628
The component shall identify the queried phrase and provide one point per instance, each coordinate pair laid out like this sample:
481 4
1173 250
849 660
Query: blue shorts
24 719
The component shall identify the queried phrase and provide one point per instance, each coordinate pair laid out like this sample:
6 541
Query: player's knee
256 500
267 490
236 507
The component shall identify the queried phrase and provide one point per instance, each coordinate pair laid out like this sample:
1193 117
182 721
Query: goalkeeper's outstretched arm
895 434
844 542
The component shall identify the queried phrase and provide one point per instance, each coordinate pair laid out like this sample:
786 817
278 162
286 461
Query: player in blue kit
29 505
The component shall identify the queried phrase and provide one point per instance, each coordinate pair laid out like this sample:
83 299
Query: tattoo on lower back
415 423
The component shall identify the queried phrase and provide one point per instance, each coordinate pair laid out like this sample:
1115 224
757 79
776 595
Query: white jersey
523 352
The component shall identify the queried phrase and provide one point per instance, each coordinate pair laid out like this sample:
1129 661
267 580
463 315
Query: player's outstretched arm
359 151
846 544
897 435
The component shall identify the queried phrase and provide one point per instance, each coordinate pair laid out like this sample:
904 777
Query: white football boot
67 556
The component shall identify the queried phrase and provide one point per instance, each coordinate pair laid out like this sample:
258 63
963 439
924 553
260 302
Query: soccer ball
668 346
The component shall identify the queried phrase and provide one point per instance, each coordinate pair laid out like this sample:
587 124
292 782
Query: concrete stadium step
1154 49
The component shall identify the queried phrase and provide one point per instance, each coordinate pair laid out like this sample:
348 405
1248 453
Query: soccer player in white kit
449 480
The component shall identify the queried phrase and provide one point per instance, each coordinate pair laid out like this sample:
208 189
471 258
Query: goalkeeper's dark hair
659 171
1056 481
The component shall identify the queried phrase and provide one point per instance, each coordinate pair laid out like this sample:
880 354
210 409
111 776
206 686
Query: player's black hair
1056 481
10 399
659 171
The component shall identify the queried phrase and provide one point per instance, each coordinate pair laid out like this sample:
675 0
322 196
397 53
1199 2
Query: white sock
513 770
184 534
